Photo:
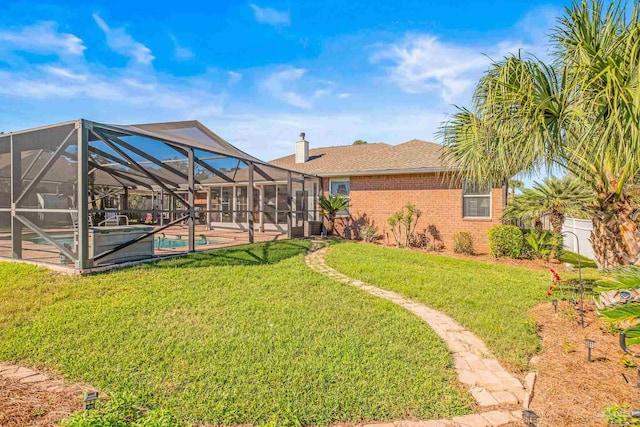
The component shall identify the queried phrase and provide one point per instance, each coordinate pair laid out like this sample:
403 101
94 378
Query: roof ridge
353 145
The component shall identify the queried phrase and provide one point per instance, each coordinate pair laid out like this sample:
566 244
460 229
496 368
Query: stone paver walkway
40 380
490 384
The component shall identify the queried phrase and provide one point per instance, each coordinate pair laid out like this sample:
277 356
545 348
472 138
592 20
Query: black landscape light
555 305
590 345
90 400
530 418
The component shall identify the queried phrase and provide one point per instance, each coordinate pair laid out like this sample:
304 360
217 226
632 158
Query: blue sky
259 72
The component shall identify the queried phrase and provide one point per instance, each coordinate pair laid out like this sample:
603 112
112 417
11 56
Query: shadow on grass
572 258
255 254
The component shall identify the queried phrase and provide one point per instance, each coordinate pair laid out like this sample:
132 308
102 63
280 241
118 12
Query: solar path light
530 418
590 346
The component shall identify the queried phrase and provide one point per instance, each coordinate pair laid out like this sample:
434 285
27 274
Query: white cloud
44 38
422 63
269 135
344 95
63 72
182 97
234 77
285 84
277 86
181 53
121 42
267 15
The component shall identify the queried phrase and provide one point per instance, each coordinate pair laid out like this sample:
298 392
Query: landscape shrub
463 243
506 241
369 233
403 224
419 240
538 244
435 245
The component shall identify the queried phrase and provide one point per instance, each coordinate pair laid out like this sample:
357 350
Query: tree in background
580 112
513 185
359 142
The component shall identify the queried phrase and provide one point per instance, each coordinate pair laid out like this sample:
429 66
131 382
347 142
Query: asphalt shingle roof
379 157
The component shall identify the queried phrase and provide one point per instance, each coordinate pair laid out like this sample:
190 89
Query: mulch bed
536 264
569 390
23 405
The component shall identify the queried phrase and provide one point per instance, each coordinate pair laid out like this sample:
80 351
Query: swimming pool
64 240
158 243
182 242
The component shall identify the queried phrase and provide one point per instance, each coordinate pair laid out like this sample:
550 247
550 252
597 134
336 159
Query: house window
476 201
341 187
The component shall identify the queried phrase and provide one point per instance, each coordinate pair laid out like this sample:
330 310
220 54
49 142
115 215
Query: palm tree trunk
556 220
331 224
616 236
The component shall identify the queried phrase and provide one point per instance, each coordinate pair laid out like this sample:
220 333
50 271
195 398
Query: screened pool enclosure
88 195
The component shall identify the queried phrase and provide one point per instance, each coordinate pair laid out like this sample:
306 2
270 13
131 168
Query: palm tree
330 206
513 185
554 197
580 113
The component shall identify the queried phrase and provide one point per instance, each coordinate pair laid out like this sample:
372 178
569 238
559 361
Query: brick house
380 179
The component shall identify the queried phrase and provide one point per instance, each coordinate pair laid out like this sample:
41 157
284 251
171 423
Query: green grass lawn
233 336
572 258
491 300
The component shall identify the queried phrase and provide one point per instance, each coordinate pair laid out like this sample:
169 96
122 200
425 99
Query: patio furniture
112 218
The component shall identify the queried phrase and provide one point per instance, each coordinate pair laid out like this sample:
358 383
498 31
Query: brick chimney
302 149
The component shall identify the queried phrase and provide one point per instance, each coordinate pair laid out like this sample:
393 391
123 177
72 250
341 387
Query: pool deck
46 254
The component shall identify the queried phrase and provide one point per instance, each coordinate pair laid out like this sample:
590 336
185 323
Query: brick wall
375 198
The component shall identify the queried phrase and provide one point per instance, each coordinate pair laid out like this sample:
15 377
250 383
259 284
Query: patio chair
74 220
112 218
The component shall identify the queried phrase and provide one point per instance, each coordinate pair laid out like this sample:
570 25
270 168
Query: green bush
463 243
506 241
538 244
542 244
122 410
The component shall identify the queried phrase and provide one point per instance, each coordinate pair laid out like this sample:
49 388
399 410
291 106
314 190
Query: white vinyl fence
582 228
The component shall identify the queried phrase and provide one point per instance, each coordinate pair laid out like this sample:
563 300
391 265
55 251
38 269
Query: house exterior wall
373 199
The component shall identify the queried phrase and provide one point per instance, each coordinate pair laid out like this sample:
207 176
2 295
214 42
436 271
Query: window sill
478 219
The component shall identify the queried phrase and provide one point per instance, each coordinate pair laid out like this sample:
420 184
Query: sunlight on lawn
492 300
233 336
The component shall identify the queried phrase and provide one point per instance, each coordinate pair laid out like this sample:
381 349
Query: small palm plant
329 208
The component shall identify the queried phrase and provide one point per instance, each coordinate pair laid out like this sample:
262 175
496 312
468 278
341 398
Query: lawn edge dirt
36 398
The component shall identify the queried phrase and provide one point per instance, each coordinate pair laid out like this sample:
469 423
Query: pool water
63 240
158 243
170 243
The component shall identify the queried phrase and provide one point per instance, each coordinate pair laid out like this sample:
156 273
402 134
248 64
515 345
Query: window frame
344 212
489 194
